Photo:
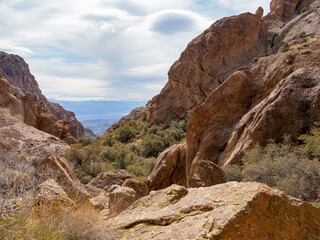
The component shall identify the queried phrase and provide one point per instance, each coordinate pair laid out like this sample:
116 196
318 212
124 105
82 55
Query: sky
119 50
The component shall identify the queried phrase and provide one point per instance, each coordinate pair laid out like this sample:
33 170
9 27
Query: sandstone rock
206 62
141 188
17 136
227 211
106 179
277 95
26 110
50 192
170 168
283 8
100 202
57 168
16 71
120 199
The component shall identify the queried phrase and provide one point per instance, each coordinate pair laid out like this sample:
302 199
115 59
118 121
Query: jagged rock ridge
22 82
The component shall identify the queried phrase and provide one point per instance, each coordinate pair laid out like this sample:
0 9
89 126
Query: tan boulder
141 188
120 199
101 201
227 211
170 168
50 192
57 168
106 179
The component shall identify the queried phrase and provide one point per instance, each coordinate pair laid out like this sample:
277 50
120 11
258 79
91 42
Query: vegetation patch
292 168
133 147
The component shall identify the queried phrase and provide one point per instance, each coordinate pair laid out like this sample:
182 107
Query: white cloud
106 49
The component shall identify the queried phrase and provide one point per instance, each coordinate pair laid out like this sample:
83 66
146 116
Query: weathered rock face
120 199
50 192
26 110
277 95
88 133
226 211
58 169
106 179
283 8
170 168
141 188
16 71
207 61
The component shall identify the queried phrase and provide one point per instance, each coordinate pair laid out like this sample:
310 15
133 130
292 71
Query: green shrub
126 133
303 10
284 47
152 145
85 141
305 51
290 168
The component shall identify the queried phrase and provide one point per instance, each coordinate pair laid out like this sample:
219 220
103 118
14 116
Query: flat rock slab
226 211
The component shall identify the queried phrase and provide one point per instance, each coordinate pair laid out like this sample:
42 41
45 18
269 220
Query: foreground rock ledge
226 211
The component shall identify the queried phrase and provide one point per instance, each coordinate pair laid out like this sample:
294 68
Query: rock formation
105 180
170 168
16 71
26 110
246 79
226 211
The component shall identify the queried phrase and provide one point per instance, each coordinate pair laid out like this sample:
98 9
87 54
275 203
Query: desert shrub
55 222
305 51
303 10
126 133
284 47
232 173
152 145
84 141
290 168
137 170
108 140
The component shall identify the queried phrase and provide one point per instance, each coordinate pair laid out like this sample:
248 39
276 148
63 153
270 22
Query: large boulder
58 169
170 168
141 188
120 199
227 211
49 192
106 180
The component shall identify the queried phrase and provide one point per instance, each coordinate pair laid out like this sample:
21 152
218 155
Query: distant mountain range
100 115
98 126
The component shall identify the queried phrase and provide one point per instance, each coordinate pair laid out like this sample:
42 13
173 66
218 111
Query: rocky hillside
17 73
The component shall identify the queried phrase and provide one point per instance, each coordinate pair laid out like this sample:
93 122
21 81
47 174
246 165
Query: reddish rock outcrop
141 188
170 168
283 8
25 109
16 71
277 95
206 62
226 211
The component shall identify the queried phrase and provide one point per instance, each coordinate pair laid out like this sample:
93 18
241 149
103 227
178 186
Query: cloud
170 22
106 49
